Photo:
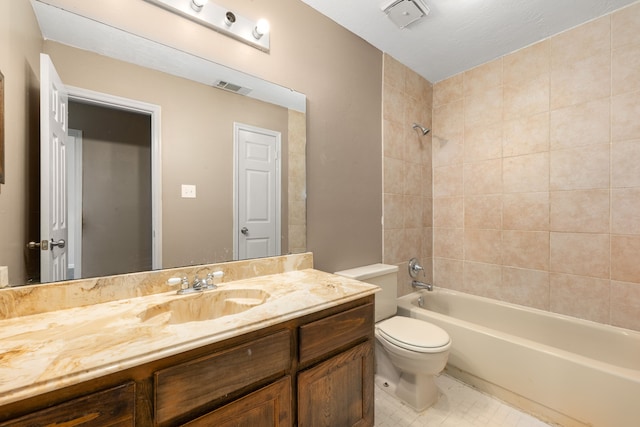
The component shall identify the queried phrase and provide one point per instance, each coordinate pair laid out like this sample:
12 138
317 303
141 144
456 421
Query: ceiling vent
221 84
404 12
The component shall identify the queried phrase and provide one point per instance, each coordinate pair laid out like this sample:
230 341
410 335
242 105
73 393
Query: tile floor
458 406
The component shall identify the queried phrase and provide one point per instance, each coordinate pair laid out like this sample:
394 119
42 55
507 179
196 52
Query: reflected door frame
111 101
74 203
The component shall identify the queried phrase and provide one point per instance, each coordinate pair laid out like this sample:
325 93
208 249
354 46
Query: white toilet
409 352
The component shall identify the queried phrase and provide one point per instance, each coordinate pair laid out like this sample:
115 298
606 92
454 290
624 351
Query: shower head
422 129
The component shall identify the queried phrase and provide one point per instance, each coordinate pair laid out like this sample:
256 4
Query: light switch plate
188 191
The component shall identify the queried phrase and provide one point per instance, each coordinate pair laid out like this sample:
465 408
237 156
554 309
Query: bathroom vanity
291 348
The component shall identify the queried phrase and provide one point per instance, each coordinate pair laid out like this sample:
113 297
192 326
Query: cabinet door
339 391
268 407
113 407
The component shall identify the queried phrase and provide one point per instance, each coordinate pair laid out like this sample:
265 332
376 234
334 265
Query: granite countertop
46 351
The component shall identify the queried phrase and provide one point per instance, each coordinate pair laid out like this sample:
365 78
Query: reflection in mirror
197 147
109 191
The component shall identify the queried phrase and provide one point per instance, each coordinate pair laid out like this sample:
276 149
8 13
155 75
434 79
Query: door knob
44 245
33 245
60 243
245 231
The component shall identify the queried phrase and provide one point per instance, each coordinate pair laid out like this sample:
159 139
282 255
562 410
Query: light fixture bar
219 19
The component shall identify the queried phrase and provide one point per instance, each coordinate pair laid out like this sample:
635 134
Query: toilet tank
384 276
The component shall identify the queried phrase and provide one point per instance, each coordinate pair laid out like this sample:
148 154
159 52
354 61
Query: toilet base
418 391
386 385
406 390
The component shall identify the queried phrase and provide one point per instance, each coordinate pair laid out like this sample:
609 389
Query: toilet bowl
409 352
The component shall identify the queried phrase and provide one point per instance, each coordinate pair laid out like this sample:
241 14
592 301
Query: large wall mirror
162 186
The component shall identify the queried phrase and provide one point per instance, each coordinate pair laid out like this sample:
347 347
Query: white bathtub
565 370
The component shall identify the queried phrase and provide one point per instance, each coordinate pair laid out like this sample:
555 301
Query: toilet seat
413 334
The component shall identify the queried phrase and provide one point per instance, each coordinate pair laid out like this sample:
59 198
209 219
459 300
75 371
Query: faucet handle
414 268
214 277
174 281
182 281
208 282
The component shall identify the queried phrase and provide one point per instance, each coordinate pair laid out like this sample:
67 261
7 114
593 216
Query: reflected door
53 173
257 230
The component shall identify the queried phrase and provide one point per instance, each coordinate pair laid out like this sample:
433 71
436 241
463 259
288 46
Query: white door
257 220
53 173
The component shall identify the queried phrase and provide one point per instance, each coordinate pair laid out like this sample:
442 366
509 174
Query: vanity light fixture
224 21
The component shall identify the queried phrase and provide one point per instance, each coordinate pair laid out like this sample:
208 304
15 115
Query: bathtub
565 370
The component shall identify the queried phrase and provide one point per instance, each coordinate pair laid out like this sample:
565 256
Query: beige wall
340 74
536 176
407 99
20 44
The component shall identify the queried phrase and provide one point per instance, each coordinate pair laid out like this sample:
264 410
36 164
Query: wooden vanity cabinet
268 407
112 407
316 370
339 390
182 389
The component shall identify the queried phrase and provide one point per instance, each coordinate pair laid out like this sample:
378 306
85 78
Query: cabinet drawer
268 407
328 334
188 386
112 407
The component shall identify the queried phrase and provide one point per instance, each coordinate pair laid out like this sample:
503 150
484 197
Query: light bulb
261 28
198 4
229 19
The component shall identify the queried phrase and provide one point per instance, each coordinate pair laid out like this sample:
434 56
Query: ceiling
460 34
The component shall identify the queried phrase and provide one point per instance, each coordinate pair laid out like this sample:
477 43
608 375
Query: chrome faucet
414 269
208 283
198 285
186 288
421 285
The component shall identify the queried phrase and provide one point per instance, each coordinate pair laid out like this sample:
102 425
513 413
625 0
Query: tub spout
421 285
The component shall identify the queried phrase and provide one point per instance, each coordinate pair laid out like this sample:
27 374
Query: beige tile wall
297 182
407 200
536 175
